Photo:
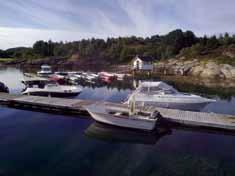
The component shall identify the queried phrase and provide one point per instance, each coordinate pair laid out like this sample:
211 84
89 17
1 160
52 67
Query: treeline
123 49
208 45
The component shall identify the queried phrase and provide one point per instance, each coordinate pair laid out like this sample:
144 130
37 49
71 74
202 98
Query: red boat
107 77
57 78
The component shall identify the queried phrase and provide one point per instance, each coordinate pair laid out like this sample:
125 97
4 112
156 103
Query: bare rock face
229 54
75 57
226 70
196 71
212 70
211 73
233 72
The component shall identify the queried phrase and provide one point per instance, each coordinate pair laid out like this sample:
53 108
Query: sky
22 22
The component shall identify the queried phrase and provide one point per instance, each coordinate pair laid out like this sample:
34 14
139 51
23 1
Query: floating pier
76 106
45 104
198 119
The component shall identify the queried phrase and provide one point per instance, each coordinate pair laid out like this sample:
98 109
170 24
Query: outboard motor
3 88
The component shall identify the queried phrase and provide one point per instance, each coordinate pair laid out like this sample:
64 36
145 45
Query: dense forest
123 49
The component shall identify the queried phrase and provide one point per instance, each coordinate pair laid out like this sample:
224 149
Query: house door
137 65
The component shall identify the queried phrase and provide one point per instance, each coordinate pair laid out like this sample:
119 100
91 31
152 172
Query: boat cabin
38 83
156 88
45 70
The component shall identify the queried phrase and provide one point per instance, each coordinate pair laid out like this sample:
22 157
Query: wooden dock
45 104
76 106
199 119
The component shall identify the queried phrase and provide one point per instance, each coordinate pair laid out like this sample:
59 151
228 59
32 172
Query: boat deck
76 106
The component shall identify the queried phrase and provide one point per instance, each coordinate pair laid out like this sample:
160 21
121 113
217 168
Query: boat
123 115
60 79
107 77
160 94
45 71
45 87
91 77
3 88
78 77
115 134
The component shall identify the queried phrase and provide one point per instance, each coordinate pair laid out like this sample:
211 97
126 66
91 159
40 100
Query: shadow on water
123 135
108 133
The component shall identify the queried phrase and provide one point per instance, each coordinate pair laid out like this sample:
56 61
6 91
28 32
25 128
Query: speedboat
160 94
45 87
3 88
122 116
45 71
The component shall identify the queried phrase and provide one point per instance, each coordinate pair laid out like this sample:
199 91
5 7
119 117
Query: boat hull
123 122
52 94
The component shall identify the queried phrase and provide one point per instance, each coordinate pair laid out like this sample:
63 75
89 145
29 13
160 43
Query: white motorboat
122 116
91 76
45 71
160 94
44 87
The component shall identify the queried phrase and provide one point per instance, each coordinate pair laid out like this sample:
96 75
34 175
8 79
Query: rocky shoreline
196 68
206 69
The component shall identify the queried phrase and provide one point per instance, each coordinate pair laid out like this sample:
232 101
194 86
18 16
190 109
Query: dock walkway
45 104
199 119
76 106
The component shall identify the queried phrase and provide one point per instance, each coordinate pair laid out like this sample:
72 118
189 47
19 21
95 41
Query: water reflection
12 77
123 135
35 143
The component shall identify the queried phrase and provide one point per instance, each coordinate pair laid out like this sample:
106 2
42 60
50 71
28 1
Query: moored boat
160 94
44 87
60 79
45 71
122 116
107 77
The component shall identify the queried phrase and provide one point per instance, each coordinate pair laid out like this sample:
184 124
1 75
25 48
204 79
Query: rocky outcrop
196 68
212 70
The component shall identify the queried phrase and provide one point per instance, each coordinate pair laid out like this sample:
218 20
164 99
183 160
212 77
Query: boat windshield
157 90
46 69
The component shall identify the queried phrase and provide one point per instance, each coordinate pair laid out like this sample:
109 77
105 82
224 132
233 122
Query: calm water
33 143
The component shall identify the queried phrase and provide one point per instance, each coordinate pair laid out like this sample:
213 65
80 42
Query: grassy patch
225 60
7 59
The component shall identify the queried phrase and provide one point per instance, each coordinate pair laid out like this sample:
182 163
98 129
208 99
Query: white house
143 63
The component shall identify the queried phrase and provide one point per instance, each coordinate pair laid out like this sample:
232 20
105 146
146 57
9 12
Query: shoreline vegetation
176 53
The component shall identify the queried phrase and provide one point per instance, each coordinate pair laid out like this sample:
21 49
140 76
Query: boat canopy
156 87
45 66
